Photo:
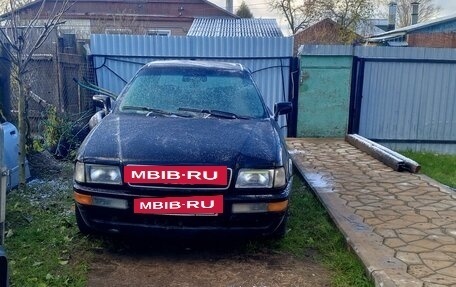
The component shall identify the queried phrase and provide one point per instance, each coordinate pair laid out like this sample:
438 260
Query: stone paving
401 225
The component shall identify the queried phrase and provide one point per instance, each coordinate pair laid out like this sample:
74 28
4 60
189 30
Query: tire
83 227
281 230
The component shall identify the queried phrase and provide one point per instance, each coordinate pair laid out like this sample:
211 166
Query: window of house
155 32
117 31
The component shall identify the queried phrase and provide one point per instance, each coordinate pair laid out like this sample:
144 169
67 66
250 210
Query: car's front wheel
83 227
281 230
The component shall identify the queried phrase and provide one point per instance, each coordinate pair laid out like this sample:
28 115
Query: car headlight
97 173
261 178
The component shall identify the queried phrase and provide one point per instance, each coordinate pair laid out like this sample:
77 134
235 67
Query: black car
189 146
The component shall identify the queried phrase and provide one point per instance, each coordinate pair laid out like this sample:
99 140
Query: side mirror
282 109
105 100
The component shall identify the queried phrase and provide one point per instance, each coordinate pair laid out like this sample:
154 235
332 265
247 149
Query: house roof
218 27
370 27
326 21
412 28
108 10
378 22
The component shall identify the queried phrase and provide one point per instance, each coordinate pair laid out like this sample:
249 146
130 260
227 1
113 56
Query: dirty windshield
216 93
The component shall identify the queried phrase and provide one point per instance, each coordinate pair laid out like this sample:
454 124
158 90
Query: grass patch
43 245
440 167
311 229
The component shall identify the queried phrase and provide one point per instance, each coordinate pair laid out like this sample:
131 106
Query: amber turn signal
277 206
82 198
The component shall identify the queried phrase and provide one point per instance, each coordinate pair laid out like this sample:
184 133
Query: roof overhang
397 44
384 38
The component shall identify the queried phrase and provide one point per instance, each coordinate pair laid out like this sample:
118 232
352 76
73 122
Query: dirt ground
201 264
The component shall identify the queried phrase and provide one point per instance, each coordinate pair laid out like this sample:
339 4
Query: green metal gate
324 93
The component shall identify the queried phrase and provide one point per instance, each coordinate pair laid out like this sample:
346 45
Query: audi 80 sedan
188 146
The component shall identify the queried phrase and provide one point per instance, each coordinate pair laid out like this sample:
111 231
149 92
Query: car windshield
190 90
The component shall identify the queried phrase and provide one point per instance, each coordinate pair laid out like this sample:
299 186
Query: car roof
197 64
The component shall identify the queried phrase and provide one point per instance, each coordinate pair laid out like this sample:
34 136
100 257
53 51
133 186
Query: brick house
325 32
154 17
438 33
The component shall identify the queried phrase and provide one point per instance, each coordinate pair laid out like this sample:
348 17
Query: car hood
136 139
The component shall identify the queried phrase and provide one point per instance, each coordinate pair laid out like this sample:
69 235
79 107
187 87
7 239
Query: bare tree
20 37
347 13
5 4
428 10
298 13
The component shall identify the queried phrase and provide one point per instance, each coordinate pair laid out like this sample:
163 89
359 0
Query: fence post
4 280
3 183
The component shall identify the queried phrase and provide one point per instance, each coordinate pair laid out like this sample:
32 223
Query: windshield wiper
215 113
154 111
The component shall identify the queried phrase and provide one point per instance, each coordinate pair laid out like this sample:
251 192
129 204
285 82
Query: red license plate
180 205
204 175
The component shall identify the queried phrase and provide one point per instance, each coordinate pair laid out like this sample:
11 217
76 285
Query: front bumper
113 220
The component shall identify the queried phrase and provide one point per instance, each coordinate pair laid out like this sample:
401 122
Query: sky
260 9
448 7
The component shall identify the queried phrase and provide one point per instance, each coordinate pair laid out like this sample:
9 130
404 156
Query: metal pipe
391 158
374 151
392 15
415 12
229 6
